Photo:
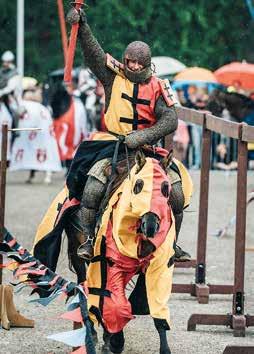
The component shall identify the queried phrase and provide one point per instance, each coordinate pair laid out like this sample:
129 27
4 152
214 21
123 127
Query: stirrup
85 250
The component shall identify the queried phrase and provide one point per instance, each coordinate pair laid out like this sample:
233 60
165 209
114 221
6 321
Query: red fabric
150 91
72 47
80 350
64 128
67 204
117 309
159 205
74 315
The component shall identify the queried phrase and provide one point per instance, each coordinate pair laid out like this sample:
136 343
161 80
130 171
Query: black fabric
88 153
138 297
99 292
48 248
103 271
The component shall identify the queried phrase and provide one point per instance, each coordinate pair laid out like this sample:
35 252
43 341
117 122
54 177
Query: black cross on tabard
116 64
134 101
170 93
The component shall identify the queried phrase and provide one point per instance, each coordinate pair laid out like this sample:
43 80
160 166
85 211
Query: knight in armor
10 83
139 110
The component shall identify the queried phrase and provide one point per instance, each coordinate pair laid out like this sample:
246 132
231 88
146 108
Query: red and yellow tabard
132 105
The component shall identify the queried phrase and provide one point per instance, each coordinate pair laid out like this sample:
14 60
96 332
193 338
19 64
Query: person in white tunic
35 150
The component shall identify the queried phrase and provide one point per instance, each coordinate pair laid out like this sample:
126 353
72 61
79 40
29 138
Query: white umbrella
167 66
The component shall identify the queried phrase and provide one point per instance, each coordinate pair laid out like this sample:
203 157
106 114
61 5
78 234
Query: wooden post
3 185
240 238
202 289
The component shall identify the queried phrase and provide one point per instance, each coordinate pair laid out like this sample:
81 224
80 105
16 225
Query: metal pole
20 36
3 185
63 28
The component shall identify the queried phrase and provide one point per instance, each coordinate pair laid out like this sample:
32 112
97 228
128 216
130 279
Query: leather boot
14 317
5 323
85 250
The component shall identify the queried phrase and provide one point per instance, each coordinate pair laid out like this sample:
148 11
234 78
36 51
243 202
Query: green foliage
199 33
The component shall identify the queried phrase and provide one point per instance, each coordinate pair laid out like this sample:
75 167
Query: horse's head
216 102
150 190
237 104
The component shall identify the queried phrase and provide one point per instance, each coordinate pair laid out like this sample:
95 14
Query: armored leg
91 200
176 200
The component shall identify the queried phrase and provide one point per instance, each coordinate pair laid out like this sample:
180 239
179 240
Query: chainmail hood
141 52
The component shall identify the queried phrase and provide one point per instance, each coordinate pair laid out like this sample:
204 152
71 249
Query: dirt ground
25 206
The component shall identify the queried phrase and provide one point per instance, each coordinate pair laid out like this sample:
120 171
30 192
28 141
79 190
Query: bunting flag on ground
29 271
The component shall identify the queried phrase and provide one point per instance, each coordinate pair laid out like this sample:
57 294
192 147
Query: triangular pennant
74 338
74 315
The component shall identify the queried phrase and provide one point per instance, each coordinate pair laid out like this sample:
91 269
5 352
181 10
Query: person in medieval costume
10 83
139 111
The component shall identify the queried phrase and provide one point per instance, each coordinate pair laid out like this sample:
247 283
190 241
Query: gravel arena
25 207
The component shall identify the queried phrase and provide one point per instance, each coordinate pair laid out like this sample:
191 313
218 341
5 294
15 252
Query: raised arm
94 55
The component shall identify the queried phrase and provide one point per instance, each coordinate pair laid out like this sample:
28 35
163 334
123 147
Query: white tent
166 66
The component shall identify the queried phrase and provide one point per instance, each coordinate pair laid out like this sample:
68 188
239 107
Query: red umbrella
241 74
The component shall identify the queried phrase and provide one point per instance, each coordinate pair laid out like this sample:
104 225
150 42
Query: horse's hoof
116 343
165 351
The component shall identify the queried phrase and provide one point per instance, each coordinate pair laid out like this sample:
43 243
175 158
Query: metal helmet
140 52
8 56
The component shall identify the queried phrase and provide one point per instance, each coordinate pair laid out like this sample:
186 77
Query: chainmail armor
140 52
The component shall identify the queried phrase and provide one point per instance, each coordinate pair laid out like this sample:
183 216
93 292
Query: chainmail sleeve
94 55
166 123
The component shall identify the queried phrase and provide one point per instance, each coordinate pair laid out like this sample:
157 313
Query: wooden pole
63 28
3 185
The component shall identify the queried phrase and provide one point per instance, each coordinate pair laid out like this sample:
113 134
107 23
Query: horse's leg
162 327
31 176
116 342
113 343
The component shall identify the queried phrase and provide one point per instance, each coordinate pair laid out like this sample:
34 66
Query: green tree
200 33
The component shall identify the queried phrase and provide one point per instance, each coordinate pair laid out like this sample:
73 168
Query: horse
135 236
239 106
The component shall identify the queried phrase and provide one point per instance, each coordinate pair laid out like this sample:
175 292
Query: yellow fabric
251 146
158 275
159 278
119 107
49 218
187 183
102 136
114 65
